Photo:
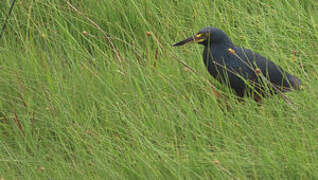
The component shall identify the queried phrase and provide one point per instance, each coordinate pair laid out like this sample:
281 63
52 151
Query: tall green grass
87 94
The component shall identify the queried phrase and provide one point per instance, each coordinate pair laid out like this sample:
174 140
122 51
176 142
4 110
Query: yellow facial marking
199 40
199 35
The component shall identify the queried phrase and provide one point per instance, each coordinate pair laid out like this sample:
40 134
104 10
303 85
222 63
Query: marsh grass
79 102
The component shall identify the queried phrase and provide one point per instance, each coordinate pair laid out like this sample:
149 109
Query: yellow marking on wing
231 51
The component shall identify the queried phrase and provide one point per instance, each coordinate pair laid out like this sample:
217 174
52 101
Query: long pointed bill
190 39
197 38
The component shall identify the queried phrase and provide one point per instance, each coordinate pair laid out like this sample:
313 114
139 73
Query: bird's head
207 36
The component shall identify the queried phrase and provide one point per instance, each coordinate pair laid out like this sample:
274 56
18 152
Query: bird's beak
197 38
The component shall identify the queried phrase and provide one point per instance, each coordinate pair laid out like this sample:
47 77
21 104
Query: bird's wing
273 73
239 62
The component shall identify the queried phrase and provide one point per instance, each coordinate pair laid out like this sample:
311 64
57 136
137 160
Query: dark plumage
242 69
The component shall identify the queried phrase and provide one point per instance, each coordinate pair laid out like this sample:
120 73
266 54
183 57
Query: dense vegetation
94 89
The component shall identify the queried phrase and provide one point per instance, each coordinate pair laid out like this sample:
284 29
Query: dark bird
245 71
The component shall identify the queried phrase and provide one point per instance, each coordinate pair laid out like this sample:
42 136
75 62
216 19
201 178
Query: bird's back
239 65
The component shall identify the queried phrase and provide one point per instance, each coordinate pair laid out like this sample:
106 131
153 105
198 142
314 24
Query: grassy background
107 101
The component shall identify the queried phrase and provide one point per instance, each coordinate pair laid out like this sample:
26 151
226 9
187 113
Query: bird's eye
203 35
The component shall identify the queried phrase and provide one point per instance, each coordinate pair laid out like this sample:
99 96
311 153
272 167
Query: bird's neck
224 43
